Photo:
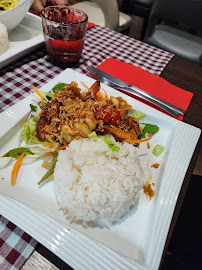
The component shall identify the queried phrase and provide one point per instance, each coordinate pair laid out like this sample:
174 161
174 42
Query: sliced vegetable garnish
29 129
33 108
111 145
47 95
149 128
137 115
36 140
141 126
59 87
15 153
92 134
63 147
158 149
43 95
137 141
100 95
51 169
105 93
38 92
32 128
85 85
49 154
34 119
26 132
16 168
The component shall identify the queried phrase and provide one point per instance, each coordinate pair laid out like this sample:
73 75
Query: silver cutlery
106 78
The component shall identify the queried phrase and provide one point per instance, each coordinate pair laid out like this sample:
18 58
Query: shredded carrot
85 85
52 175
99 95
49 154
35 89
105 93
137 141
16 168
61 148
48 145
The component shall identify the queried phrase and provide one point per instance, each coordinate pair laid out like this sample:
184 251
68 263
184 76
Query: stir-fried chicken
72 114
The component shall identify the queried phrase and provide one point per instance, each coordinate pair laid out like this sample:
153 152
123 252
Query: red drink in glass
64 31
64 51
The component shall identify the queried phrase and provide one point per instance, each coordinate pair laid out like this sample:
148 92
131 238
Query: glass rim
66 7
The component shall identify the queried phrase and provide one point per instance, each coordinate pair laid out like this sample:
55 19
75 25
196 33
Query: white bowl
12 17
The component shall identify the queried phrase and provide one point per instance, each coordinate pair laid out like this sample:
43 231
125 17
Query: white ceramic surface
139 237
12 17
27 36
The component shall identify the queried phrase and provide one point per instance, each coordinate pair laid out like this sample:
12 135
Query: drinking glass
64 30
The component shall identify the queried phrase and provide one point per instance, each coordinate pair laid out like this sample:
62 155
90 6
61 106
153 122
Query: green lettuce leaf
36 140
149 128
59 87
15 153
33 108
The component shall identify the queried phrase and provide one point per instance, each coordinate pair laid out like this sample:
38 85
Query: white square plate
23 39
140 235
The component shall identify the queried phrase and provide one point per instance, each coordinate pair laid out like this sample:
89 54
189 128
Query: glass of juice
64 30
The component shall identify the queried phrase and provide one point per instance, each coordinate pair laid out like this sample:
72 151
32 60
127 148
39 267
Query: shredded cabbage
111 145
92 134
137 115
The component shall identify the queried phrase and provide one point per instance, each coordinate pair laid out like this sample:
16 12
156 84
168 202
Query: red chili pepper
108 115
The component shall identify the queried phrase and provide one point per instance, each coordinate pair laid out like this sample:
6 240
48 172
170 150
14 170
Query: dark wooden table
188 76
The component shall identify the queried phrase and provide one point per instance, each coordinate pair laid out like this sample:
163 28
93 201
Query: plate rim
13 54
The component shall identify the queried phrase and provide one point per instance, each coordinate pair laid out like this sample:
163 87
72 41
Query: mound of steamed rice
93 182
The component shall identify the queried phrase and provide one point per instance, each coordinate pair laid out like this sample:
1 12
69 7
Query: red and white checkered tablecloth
15 84
15 245
101 43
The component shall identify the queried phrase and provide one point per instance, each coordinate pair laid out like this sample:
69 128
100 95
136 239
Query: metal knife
115 82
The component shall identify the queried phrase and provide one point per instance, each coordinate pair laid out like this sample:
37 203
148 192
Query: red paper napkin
90 25
148 82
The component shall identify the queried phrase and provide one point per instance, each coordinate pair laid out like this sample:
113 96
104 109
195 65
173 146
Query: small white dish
13 16
23 39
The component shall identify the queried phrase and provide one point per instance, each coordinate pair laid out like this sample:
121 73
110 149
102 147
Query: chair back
185 12
110 10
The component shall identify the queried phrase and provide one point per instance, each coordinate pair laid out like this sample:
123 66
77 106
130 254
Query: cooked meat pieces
74 114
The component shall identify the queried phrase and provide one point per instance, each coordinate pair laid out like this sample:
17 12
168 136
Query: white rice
93 182
4 43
